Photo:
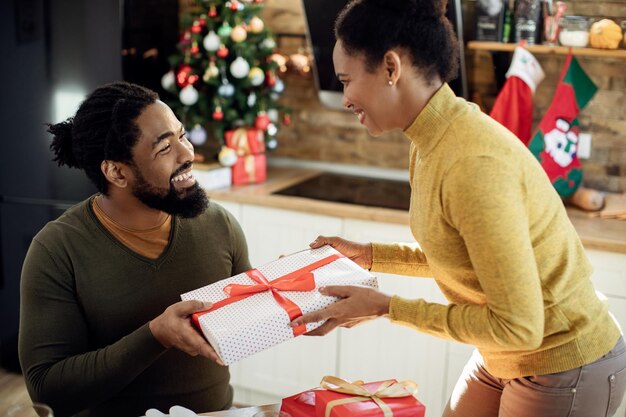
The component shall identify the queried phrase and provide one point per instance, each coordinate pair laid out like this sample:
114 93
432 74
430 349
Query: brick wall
328 135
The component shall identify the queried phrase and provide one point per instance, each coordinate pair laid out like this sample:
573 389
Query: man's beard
186 203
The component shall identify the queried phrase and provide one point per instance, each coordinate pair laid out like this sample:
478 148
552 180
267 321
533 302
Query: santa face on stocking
562 143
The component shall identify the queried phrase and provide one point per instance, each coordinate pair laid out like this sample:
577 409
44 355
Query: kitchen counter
245 412
595 233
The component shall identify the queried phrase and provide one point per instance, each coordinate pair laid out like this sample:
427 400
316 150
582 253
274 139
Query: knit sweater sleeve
400 259
488 208
59 367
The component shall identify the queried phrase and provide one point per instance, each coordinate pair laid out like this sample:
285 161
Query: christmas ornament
188 95
194 48
256 25
212 11
182 77
222 52
279 86
256 76
270 79
225 30
238 34
273 115
286 120
196 28
168 80
197 135
272 130
239 68
262 121
226 89
218 114
233 5
211 71
211 42
268 43
251 99
227 156
271 144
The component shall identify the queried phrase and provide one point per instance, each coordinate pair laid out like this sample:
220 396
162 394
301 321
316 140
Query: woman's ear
114 172
393 66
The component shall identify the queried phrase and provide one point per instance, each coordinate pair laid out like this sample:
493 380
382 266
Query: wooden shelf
547 49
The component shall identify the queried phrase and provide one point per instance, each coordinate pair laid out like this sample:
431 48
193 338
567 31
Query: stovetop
351 189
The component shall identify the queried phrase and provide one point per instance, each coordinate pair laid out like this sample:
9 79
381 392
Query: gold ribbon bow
388 389
240 142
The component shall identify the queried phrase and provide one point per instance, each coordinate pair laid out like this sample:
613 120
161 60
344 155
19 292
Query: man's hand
173 329
357 304
360 253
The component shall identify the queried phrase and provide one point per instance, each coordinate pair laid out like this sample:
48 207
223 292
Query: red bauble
270 79
182 76
234 5
212 11
222 52
286 120
196 28
262 121
218 114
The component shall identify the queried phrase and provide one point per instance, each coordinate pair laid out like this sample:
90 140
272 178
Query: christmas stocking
513 107
556 141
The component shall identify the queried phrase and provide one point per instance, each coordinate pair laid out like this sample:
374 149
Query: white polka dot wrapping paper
258 322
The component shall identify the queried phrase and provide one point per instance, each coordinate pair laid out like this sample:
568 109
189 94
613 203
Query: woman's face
366 94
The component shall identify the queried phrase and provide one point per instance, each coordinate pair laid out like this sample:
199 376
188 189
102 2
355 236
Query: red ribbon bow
298 280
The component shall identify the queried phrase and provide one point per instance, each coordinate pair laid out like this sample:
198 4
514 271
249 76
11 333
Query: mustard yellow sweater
495 236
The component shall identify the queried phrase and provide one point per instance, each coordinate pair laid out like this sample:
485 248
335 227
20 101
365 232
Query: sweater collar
431 123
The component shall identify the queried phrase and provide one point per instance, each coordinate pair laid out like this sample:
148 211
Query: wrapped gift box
392 399
252 311
212 176
249 169
245 141
299 405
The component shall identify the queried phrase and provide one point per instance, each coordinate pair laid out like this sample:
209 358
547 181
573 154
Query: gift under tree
224 76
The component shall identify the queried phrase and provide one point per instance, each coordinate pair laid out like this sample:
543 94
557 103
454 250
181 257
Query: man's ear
393 66
115 173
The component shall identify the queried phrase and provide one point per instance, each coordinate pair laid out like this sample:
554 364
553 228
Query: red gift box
299 405
249 169
341 398
245 141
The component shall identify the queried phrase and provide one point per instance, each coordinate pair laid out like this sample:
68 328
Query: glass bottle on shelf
528 21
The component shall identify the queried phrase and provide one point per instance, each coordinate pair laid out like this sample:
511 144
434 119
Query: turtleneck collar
429 126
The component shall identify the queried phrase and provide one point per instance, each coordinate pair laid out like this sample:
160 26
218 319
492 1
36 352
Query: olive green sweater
85 346
495 236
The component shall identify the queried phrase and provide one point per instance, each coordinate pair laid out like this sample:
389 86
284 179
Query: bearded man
102 329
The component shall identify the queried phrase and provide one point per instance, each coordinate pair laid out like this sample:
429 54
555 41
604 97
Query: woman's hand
357 304
173 328
360 253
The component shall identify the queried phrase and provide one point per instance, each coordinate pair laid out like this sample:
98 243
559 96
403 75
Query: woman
491 229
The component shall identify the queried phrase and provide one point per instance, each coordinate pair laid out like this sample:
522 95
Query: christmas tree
224 76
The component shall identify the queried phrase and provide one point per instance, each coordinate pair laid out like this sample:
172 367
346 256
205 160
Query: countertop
247 412
595 233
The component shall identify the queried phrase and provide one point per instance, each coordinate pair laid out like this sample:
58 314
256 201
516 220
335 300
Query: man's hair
373 27
103 128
